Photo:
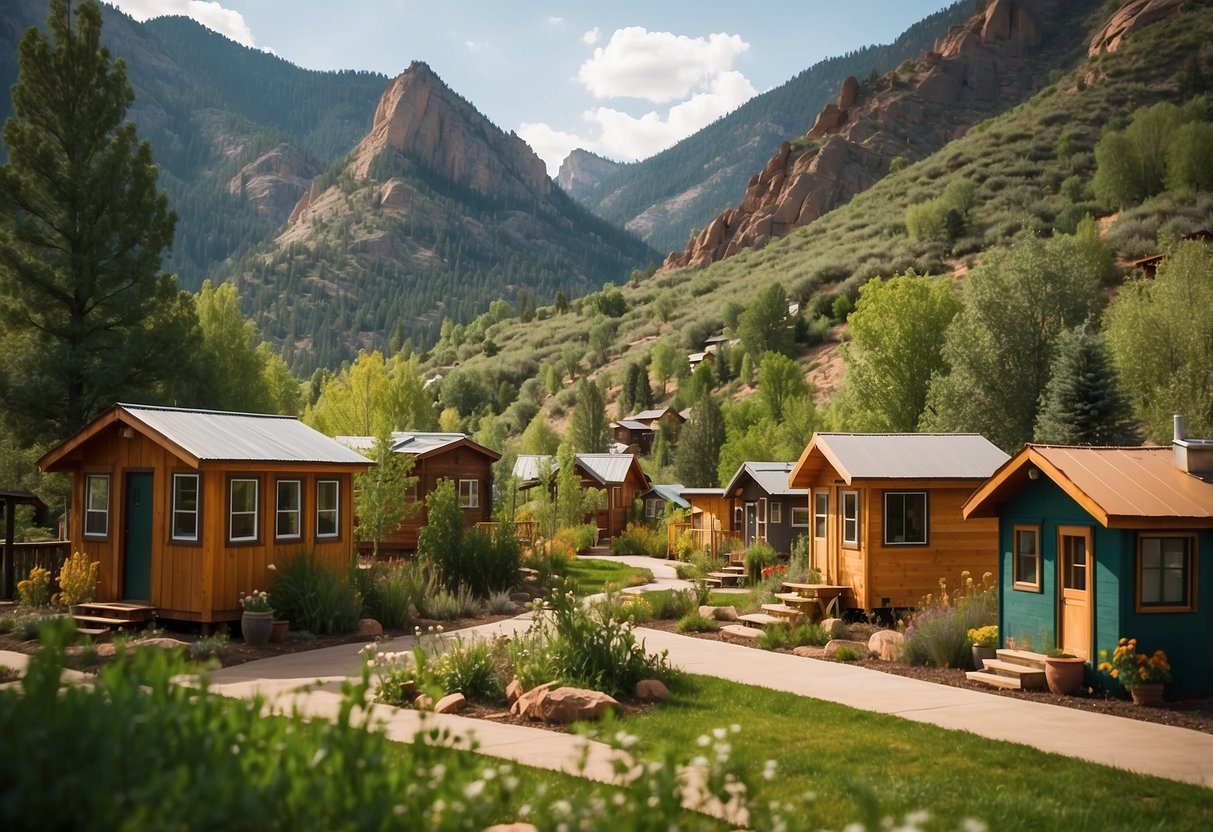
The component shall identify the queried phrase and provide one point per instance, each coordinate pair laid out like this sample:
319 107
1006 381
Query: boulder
849 93
423 702
652 690
886 644
806 652
1129 18
564 705
834 627
513 690
525 704
719 613
834 644
369 628
452 703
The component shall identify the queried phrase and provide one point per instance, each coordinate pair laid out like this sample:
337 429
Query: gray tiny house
765 507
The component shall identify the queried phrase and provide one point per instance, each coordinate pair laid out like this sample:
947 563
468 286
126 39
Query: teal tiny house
1096 543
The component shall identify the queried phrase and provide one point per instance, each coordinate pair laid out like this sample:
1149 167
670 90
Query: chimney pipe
1180 428
1192 456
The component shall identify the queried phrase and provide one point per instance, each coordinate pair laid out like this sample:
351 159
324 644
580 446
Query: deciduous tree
589 431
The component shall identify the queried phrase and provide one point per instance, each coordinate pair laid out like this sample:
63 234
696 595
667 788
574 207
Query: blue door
137 539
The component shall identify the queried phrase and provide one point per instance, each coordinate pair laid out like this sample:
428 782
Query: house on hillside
886 512
187 509
1100 543
437 456
618 475
765 507
639 430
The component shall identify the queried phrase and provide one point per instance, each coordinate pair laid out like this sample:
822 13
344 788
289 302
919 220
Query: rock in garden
652 690
423 702
719 613
807 652
834 627
452 703
520 597
525 704
564 705
513 690
160 643
369 628
833 646
887 644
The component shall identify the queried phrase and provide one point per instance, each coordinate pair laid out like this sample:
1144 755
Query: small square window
800 516
905 518
1164 568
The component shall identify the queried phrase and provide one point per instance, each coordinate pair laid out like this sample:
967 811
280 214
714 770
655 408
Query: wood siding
454 464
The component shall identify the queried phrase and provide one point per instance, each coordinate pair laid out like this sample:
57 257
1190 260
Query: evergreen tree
660 453
624 400
699 444
589 431
88 316
642 393
1081 404
379 503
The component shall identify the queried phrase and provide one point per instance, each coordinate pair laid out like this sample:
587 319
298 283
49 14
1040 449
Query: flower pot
980 654
256 628
1064 674
1148 694
279 631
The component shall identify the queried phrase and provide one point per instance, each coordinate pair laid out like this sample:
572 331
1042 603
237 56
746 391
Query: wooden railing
712 541
48 554
524 530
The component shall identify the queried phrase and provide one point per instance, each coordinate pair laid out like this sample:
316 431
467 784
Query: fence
23 557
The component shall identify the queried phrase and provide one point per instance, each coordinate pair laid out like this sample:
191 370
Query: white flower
473 790
770 770
703 741
974 825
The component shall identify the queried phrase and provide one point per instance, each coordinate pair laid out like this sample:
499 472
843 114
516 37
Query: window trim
776 510
843 496
104 513
821 517
926 508
1190 570
173 536
1024 586
335 510
256 537
805 514
278 510
473 494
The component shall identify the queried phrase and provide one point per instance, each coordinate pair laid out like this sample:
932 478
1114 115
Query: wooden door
137 538
1075 574
821 527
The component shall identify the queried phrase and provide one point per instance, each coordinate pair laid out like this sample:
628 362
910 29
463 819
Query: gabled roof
772 477
670 493
898 456
607 469
632 424
420 444
196 436
649 415
1119 487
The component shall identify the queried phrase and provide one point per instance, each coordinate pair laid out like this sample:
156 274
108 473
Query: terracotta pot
256 628
279 631
1148 694
980 654
1064 674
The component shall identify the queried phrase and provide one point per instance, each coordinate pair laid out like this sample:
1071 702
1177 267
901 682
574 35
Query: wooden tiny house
619 476
186 509
711 525
885 512
437 456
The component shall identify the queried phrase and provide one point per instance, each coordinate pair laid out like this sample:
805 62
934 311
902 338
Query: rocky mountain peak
582 171
1129 18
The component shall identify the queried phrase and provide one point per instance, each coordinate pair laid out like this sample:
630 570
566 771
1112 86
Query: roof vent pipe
1180 430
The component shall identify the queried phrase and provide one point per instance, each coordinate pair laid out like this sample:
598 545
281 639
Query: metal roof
414 443
772 477
904 456
671 494
633 424
606 468
649 415
242 437
526 466
1116 485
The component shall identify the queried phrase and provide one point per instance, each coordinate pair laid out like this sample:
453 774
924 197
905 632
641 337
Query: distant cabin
1100 543
640 429
436 456
187 509
885 512
659 497
765 507
711 525
619 475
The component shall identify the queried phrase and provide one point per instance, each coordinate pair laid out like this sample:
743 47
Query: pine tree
88 317
698 451
642 392
1081 404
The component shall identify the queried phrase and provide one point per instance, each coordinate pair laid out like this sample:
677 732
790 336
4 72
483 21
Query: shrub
639 540
847 653
938 633
693 622
757 557
808 634
26 627
393 588
315 597
499 603
578 538
774 637
77 580
208 647
35 591
676 603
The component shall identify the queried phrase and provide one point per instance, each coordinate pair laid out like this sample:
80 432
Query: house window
821 512
185 507
1026 557
800 516
905 517
776 512
96 505
650 508
328 494
242 510
288 516
850 518
469 493
1164 572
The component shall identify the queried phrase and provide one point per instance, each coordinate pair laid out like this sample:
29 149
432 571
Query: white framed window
776 511
1026 556
97 505
821 513
288 510
800 516
469 493
1165 580
905 518
185 507
850 518
328 502
243 520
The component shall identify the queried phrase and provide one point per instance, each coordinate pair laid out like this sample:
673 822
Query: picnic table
823 597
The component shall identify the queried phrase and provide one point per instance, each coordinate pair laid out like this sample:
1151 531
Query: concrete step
762 619
1024 657
993 679
726 578
741 630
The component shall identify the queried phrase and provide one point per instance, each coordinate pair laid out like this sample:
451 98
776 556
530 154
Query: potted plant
78 578
257 622
1063 672
1143 676
984 642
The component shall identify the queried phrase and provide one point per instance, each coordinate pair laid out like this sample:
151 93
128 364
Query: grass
849 758
590 574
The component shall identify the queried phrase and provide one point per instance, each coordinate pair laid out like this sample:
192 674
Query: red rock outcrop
275 181
1129 18
975 71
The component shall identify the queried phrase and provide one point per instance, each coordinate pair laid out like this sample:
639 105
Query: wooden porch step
125 611
1028 676
1024 657
762 619
741 630
713 582
92 631
783 611
795 598
736 570
726 578
103 621
993 679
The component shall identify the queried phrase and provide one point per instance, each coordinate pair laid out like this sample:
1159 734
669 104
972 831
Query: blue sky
625 79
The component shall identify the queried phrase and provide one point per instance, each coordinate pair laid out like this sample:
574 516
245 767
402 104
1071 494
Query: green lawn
591 573
856 763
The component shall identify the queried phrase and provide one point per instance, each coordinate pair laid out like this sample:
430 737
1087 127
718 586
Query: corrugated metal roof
649 415
414 443
910 456
772 477
606 468
671 494
633 424
242 437
526 466
703 492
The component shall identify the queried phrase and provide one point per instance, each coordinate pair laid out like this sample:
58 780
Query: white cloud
591 37
551 145
555 20
228 22
657 66
474 45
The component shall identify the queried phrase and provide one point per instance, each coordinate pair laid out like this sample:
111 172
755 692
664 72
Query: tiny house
711 525
618 475
885 512
1100 543
187 509
765 507
437 456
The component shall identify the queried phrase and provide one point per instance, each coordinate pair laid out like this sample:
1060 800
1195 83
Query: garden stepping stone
833 646
452 703
741 630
